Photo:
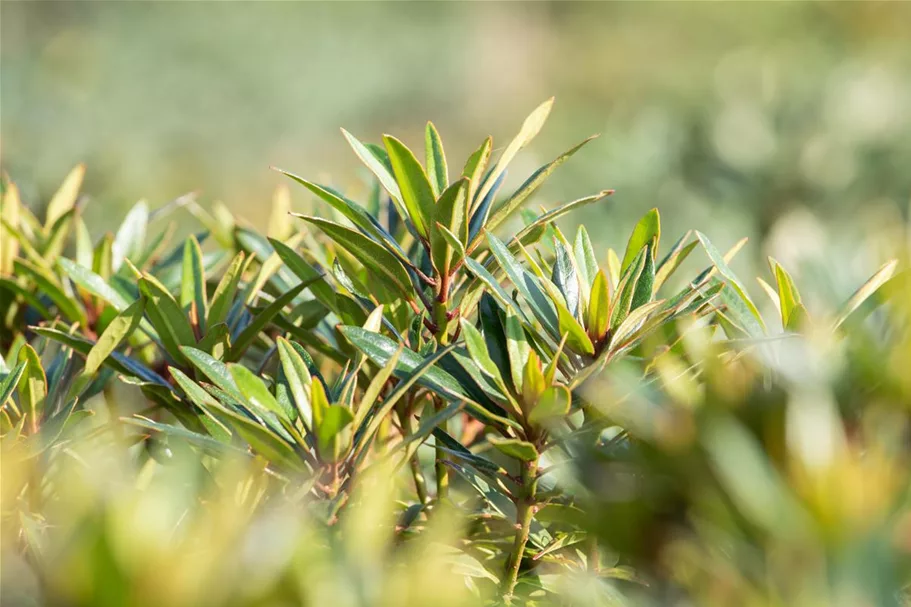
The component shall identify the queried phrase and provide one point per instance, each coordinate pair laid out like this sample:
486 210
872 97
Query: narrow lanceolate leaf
66 195
553 404
297 377
32 385
597 318
647 230
753 320
788 295
216 371
625 290
381 349
378 168
333 434
131 235
321 290
450 214
117 330
678 253
375 258
643 293
565 278
437 170
259 322
166 316
517 347
530 186
533 231
9 214
260 438
475 167
519 449
256 393
94 284
225 292
351 211
883 275
586 262
9 383
47 283
417 195
193 283
576 336
527 285
120 363
530 128
477 349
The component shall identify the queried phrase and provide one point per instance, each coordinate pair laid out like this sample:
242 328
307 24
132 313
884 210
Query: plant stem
525 512
420 484
442 472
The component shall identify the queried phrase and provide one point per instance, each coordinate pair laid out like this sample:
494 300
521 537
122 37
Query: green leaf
450 216
518 449
517 347
586 262
646 282
120 363
117 330
575 332
534 230
351 211
417 195
458 249
625 290
94 284
381 349
321 290
298 379
378 168
678 253
530 186
48 284
553 404
527 285
259 437
477 349
788 296
598 314
166 316
753 320
65 197
565 278
256 393
329 433
647 230
131 235
216 371
530 128
375 258
881 277
436 160
226 291
32 384
30 297
193 283
475 166
259 322
9 383
207 443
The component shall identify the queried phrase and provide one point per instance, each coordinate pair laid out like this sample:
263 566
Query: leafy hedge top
333 353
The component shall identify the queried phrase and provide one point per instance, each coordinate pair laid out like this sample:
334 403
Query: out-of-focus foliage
394 403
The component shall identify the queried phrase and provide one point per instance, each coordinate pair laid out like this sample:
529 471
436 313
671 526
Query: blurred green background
727 117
